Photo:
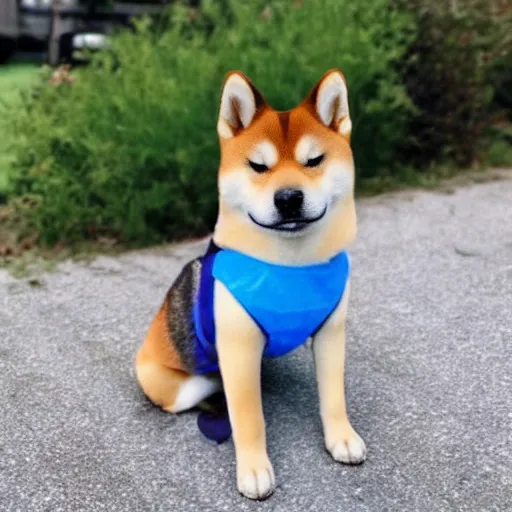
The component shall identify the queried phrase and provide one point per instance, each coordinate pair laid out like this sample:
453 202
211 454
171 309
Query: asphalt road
429 377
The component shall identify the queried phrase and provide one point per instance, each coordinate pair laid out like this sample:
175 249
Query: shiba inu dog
276 273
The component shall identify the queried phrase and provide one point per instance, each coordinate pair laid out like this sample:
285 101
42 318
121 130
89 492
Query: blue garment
289 304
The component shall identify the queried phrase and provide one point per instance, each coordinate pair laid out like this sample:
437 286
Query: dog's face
285 172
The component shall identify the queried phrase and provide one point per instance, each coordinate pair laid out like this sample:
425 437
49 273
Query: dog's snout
289 201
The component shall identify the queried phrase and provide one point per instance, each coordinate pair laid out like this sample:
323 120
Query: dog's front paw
256 478
349 448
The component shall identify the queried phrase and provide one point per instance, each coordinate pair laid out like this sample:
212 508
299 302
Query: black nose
288 202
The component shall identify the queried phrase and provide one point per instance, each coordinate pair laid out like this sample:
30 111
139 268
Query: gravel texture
429 379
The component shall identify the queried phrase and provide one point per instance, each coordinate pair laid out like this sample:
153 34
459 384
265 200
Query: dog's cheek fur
337 182
239 193
316 198
234 188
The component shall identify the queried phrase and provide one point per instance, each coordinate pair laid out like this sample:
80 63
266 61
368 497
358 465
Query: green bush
130 148
456 74
501 80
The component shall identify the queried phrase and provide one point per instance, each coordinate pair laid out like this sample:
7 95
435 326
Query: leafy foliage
459 46
129 148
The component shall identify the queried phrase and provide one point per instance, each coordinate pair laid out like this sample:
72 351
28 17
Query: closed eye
314 162
257 167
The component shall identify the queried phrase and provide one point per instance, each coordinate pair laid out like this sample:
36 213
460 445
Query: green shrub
130 148
14 80
454 70
501 80
497 145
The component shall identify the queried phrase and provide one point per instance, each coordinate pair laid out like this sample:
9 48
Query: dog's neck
235 232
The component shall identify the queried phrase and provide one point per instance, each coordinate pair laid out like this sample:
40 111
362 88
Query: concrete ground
429 379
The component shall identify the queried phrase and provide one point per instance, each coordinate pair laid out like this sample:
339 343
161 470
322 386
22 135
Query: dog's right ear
239 104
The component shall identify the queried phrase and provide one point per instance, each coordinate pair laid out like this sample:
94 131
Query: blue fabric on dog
290 304
214 426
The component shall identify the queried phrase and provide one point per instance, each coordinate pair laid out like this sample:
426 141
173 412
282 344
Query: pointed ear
239 104
329 99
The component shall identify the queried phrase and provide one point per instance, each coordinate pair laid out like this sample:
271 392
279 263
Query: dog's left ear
329 99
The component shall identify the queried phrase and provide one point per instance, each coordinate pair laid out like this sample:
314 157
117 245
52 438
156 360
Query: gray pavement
429 378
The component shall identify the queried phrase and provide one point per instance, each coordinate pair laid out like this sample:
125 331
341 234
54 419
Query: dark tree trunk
55 30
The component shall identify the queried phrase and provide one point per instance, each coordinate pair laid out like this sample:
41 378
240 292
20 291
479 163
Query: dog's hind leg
162 375
173 390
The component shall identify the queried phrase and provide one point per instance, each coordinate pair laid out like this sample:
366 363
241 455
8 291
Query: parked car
30 25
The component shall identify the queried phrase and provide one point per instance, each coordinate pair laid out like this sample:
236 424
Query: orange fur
159 369
240 348
284 130
247 124
158 344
